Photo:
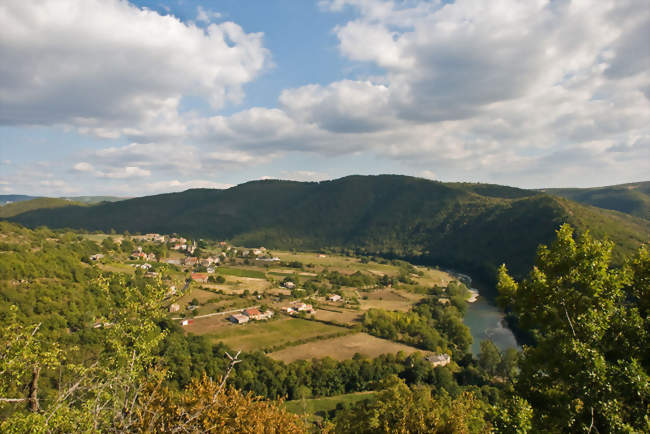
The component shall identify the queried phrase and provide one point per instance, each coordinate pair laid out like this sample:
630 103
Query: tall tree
589 368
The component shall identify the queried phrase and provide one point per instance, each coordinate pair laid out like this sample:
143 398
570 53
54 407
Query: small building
299 307
191 261
96 257
443 301
186 322
289 285
334 297
267 315
138 254
438 359
238 318
252 313
175 307
200 277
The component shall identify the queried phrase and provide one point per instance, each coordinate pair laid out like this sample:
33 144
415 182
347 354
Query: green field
259 335
241 272
316 405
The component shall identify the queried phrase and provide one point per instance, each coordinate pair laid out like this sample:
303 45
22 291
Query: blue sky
136 98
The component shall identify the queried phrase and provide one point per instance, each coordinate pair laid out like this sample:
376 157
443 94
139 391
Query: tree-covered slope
16 208
631 199
473 227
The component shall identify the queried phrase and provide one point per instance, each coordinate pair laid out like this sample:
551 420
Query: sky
110 97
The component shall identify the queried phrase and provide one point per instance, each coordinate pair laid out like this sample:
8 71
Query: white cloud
126 172
110 68
82 166
206 16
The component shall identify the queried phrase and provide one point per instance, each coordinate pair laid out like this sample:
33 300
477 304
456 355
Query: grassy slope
470 227
631 199
16 208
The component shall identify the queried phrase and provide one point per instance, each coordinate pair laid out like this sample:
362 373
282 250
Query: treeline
429 325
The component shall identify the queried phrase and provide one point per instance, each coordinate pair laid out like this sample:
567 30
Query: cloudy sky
141 97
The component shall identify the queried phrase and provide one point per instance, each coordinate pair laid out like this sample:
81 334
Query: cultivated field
389 299
343 317
341 348
259 335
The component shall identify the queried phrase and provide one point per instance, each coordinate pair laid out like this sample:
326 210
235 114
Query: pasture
254 336
318 405
341 348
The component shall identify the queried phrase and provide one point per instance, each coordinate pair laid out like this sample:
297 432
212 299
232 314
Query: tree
403 409
589 368
489 358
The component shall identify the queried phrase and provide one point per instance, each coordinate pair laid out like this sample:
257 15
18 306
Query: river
485 321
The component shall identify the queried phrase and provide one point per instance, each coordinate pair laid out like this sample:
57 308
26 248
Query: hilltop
17 208
633 198
471 227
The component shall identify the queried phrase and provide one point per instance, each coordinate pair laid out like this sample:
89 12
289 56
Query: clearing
341 348
264 334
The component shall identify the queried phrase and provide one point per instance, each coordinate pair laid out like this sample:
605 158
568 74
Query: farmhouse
289 285
438 359
252 313
298 307
200 277
334 297
96 257
138 254
238 318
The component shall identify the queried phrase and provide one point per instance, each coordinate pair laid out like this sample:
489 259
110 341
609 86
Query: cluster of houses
249 314
156 238
139 254
297 307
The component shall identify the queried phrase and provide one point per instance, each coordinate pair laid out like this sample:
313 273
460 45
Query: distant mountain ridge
471 227
632 198
12 198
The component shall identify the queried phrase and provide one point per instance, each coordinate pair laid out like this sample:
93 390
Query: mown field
341 348
260 335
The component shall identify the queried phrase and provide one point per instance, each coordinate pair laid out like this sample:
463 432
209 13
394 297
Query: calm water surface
485 321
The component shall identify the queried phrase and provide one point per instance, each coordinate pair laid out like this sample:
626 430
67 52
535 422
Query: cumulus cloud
110 68
474 86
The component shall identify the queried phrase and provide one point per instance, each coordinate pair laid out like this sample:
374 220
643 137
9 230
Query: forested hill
16 208
631 198
471 227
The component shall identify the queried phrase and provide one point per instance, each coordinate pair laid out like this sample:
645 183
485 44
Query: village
289 305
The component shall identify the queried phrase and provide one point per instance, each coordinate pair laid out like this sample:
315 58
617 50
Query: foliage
428 325
463 226
631 199
208 406
589 367
402 409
